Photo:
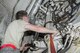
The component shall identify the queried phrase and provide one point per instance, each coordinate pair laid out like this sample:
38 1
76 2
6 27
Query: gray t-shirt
14 33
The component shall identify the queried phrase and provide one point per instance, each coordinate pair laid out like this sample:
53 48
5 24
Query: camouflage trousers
9 50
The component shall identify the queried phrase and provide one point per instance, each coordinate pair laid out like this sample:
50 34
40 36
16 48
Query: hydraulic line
28 5
63 50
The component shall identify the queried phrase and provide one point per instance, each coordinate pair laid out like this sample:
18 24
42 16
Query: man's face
25 18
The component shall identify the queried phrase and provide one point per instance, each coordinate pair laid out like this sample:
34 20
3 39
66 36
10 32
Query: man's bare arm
40 29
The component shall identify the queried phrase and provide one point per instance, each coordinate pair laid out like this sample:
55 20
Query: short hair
20 14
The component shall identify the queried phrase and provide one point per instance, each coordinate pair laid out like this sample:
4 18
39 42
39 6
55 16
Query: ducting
30 6
34 6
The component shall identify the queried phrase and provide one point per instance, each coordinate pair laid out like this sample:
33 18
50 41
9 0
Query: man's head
22 15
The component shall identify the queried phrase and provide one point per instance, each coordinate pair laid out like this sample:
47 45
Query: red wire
52 48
